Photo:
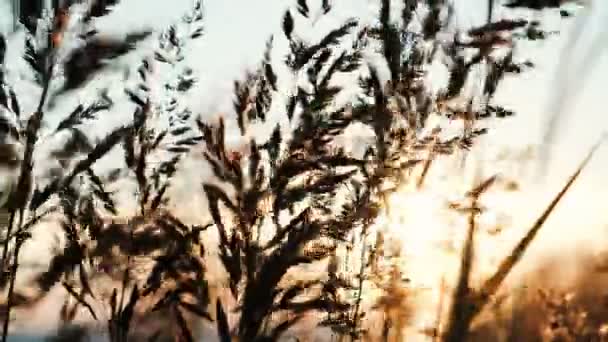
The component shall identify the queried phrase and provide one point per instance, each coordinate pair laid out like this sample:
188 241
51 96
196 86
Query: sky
236 34
236 31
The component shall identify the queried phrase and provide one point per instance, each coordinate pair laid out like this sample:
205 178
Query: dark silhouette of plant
307 167
75 254
277 177
295 201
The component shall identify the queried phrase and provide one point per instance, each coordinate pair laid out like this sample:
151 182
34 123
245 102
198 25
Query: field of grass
351 194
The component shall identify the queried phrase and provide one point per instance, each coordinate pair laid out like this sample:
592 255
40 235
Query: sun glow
430 231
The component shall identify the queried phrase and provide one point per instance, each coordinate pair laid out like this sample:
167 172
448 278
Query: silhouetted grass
280 206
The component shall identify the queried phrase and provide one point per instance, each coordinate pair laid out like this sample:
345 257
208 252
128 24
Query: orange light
56 38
